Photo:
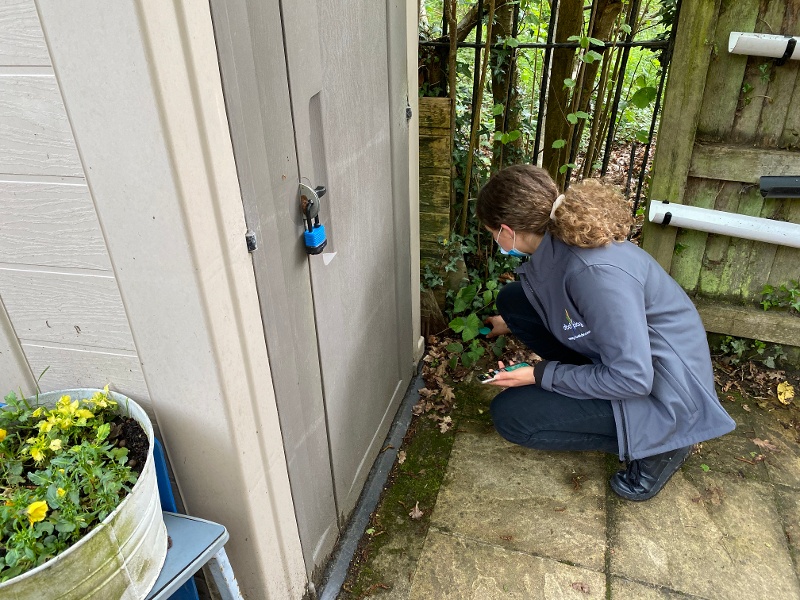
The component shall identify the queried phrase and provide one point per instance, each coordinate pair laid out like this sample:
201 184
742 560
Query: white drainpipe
725 223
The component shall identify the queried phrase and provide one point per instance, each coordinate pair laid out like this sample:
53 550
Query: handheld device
490 375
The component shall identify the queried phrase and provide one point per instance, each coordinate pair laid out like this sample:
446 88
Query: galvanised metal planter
120 559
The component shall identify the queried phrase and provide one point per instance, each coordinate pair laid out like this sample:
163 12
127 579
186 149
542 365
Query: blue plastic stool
188 591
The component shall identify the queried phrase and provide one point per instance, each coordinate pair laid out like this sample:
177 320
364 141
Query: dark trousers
536 418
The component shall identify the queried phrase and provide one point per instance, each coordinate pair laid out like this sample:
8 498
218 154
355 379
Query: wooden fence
435 158
729 119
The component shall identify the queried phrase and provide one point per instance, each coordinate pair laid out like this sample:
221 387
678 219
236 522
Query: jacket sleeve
612 305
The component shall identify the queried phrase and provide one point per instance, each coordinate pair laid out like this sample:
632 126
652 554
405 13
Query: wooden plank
434 152
434 113
786 265
734 276
682 103
21 39
433 225
35 136
434 194
762 256
745 124
83 310
726 70
690 245
790 137
741 163
777 327
69 367
710 282
781 87
50 224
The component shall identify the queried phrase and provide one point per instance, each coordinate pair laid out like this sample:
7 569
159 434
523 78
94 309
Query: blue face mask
513 252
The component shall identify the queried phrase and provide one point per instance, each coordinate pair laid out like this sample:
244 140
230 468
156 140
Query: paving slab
783 464
456 568
713 535
789 509
623 589
550 504
733 452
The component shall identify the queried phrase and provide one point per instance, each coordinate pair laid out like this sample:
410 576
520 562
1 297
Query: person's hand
498 326
515 378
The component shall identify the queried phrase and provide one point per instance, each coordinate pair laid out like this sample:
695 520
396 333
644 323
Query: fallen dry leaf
581 587
401 457
445 424
447 393
416 513
785 392
745 407
765 445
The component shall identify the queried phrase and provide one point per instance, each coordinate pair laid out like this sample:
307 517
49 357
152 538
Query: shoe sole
660 483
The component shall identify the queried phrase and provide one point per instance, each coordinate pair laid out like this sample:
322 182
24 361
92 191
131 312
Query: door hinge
252 243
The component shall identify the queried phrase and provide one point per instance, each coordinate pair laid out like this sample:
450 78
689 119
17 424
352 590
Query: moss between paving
388 553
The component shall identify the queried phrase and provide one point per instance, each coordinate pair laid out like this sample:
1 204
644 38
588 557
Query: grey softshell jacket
649 351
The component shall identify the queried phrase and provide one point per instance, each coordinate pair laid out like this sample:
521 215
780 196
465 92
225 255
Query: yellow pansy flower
61 492
38 412
37 454
83 413
55 445
37 511
3 434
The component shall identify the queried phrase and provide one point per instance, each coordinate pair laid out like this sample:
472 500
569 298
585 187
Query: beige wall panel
35 138
50 224
21 39
15 374
77 368
75 309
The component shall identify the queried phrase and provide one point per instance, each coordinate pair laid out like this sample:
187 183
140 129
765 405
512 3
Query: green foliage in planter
60 475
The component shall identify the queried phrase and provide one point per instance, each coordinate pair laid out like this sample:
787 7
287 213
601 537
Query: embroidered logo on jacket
573 326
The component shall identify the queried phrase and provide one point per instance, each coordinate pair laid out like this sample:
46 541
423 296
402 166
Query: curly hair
592 214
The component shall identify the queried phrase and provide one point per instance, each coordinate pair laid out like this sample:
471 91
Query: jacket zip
535 297
626 449
625 445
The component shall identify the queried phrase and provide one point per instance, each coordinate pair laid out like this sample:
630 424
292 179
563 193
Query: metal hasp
777 186
314 236
251 240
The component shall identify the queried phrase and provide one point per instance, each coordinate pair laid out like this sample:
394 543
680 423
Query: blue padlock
314 236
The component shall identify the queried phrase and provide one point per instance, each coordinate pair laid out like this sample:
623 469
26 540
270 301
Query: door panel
311 103
250 47
355 294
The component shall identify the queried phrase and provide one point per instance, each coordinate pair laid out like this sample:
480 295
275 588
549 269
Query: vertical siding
56 279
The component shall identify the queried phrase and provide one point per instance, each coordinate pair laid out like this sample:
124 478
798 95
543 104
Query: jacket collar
541 262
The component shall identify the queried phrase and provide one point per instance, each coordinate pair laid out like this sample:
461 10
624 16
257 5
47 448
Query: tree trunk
608 29
556 127
450 12
504 73
476 121
604 16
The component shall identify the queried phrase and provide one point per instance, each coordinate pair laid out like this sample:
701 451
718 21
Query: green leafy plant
61 474
786 295
738 349
470 301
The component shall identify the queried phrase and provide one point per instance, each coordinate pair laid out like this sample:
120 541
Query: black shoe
645 477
